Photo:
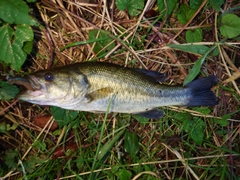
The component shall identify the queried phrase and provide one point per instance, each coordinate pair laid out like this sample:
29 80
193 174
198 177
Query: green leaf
31 1
194 71
195 4
84 42
185 13
194 35
39 145
134 7
197 67
166 7
7 91
27 48
101 47
15 12
32 161
124 174
215 52
13 42
230 26
108 146
11 159
203 110
3 127
63 116
224 121
12 127
131 144
182 116
216 4
6 34
195 129
196 49
141 119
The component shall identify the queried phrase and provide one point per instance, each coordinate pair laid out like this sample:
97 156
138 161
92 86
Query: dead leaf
41 122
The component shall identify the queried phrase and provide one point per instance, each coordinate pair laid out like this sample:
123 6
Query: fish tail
200 90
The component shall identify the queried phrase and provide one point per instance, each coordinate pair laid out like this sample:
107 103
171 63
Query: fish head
59 87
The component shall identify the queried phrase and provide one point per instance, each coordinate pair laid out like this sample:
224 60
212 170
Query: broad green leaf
32 162
166 7
12 43
28 47
195 129
196 49
194 35
230 26
11 159
63 116
185 13
224 121
101 47
215 52
23 33
198 130
141 119
108 145
195 4
216 4
203 110
7 91
124 174
15 12
182 116
134 7
6 34
131 144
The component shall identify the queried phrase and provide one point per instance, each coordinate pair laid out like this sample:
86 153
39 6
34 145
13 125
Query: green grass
187 143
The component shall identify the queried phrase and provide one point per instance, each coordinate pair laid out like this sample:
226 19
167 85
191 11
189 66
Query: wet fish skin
92 86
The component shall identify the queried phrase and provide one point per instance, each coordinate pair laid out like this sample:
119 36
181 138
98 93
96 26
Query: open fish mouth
29 82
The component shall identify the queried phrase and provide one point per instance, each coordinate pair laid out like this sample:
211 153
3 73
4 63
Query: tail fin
201 92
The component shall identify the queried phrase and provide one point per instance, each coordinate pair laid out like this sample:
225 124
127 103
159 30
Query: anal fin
154 114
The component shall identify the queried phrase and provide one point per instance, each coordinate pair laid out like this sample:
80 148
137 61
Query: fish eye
48 77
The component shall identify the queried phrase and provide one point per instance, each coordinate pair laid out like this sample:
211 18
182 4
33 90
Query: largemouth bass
96 86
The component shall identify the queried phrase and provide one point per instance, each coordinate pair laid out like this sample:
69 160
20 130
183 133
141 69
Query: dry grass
165 150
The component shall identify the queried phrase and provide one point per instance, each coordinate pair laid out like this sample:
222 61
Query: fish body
95 86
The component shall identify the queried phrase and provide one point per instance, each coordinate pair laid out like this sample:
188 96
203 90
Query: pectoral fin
100 93
154 114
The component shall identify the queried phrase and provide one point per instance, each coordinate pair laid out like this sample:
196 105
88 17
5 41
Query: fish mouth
30 82
33 90
35 85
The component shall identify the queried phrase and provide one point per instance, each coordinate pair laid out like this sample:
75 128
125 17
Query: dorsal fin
156 76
